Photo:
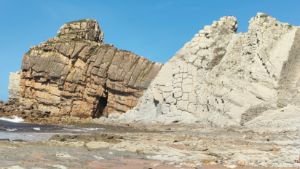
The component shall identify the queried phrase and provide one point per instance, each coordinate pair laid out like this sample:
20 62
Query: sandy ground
155 147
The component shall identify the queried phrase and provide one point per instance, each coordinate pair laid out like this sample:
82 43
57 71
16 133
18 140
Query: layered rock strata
77 74
225 78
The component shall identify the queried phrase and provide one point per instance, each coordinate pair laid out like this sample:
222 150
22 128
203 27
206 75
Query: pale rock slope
224 78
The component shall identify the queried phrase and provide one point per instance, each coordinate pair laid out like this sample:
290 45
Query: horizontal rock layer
76 74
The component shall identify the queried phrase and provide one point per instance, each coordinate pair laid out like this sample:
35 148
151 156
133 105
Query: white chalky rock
224 78
13 87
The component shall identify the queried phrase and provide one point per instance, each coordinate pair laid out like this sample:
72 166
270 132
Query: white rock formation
279 120
13 86
224 78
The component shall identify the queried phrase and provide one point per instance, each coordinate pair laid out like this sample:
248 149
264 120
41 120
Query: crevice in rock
156 102
100 107
253 112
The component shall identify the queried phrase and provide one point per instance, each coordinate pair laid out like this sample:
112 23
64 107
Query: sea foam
13 119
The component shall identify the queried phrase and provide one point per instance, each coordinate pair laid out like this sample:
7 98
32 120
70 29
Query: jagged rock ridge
225 78
77 74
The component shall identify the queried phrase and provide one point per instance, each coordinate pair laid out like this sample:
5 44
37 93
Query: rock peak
86 29
264 22
226 23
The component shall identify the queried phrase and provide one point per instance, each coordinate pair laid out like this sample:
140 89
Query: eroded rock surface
182 147
225 78
77 74
13 88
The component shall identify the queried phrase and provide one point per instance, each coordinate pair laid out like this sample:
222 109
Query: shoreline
167 146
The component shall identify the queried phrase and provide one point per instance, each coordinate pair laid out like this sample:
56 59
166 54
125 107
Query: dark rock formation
76 74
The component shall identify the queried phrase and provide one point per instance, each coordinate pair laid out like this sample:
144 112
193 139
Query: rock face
77 74
225 78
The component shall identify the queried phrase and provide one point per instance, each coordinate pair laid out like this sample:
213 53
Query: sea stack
77 74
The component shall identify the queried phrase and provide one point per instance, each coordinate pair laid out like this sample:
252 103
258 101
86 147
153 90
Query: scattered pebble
63 155
98 157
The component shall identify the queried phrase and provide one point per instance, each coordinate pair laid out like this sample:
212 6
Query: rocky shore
157 147
225 100
123 145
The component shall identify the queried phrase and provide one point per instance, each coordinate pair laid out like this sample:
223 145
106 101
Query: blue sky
155 29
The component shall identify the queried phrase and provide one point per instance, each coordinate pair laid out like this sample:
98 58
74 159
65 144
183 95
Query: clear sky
155 29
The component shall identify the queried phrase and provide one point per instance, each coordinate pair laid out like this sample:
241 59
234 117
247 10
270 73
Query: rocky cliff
225 78
77 74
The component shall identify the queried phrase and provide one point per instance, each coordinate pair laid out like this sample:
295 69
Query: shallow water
26 127
36 132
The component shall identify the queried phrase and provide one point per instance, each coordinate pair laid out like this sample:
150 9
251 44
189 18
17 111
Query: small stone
241 162
230 166
63 155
